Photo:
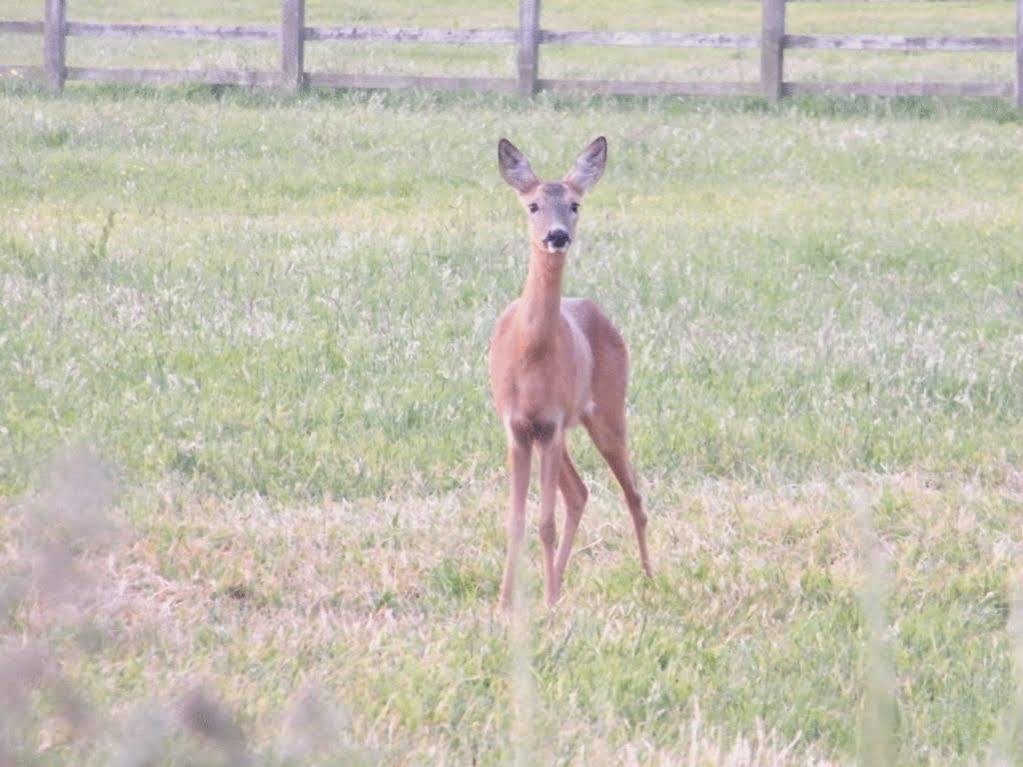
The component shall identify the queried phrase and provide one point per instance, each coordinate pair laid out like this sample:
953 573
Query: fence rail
528 37
180 31
899 43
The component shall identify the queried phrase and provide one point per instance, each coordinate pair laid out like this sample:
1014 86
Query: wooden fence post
292 44
54 28
529 46
772 49
1019 53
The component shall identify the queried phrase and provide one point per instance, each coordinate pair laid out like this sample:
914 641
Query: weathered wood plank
292 43
54 42
1019 53
899 88
21 27
651 87
772 49
651 39
182 31
342 80
22 72
899 43
414 35
174 76
529 46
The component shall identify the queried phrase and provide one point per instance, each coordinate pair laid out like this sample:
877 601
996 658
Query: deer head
552 206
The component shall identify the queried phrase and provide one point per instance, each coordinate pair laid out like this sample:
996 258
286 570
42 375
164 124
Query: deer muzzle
557 240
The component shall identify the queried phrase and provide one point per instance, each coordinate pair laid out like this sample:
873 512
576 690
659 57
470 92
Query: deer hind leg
607 429
519 459
574 493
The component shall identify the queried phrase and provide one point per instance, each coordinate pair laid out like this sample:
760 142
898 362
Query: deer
556 362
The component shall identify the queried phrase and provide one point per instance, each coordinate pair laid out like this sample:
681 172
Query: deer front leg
574 493
551 452
518 468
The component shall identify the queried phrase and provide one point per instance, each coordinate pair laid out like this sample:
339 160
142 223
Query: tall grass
269 317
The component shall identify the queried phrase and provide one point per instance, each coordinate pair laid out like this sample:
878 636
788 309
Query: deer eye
533 207
575 207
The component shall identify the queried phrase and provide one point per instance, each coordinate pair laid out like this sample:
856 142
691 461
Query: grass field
268 318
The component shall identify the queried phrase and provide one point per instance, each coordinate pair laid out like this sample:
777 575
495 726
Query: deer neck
540 311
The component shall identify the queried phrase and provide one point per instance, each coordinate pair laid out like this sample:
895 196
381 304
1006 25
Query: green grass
270 315
262 301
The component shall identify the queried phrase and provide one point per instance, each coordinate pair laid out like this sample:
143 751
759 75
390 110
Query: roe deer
554 363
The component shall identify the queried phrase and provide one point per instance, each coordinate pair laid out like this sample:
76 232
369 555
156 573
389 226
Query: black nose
557 238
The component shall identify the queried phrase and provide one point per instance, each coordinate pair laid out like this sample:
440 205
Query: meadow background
253 491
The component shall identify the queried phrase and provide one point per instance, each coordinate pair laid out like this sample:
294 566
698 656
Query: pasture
268 316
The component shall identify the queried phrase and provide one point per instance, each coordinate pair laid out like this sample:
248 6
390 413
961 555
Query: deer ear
589 166
515 167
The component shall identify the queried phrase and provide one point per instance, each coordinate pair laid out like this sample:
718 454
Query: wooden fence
292 33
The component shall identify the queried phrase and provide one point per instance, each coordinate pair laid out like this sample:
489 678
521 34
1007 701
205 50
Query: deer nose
557 238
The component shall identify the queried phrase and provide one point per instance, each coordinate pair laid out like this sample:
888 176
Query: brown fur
555 363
